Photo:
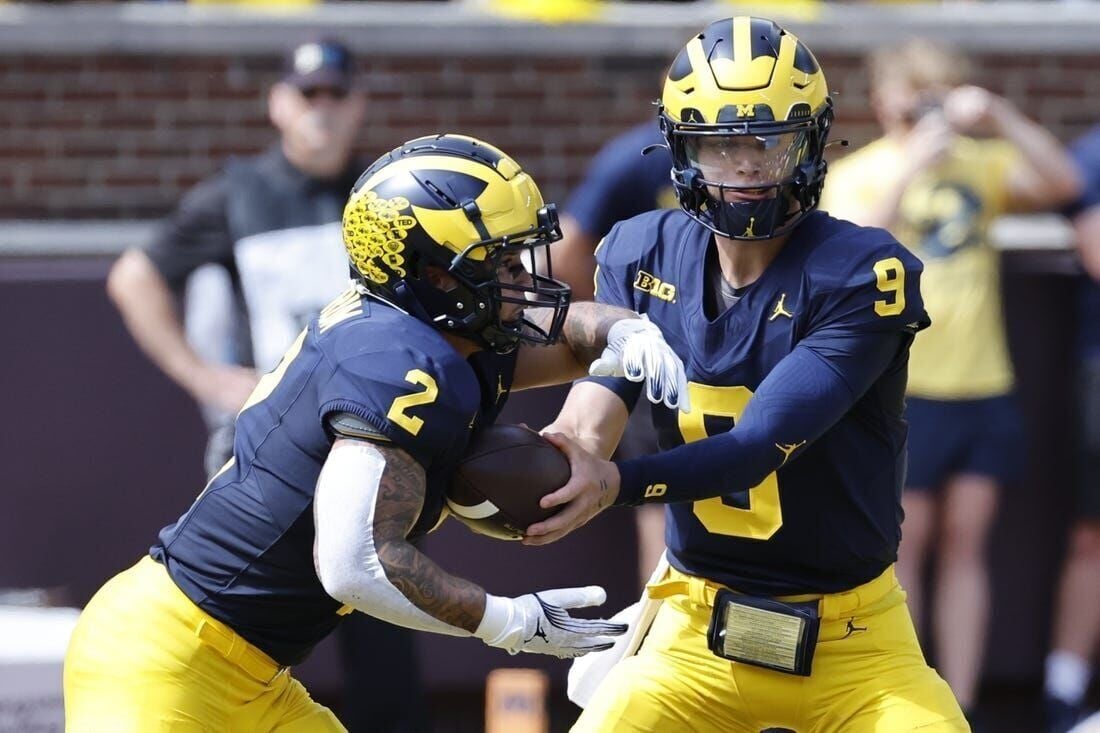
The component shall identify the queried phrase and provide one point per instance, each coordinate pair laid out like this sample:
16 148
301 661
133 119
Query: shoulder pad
861 277
629 241
846 250
410 390
348 425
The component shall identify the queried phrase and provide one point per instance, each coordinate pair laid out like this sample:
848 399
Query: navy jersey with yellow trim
829 518
244 550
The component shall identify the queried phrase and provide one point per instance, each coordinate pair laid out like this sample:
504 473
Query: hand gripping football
496 487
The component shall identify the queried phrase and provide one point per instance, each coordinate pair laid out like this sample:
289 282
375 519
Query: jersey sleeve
410 399
805 395
868 283
195 234
615 268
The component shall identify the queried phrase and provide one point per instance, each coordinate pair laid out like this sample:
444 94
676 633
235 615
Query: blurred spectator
273 222
937 187
1077 619
621 182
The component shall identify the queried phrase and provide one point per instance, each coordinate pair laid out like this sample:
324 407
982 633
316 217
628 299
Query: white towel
587 672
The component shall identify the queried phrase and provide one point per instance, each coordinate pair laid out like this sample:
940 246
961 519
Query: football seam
499 449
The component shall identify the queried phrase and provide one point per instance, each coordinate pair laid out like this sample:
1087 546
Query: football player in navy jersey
342 455
780 608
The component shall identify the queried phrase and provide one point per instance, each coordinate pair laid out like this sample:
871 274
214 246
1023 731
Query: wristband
497 621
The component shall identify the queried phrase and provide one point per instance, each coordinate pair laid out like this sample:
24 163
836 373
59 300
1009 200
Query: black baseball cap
322 62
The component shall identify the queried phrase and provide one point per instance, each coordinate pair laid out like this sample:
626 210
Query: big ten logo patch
375 229
651 284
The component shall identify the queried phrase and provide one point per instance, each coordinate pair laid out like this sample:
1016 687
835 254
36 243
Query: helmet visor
746 161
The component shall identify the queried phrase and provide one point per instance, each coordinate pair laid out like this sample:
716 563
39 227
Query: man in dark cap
268 228
271 222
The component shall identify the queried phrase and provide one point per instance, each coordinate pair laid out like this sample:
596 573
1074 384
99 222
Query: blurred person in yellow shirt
952 158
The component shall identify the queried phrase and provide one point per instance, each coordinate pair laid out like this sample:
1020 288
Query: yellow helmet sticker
374 231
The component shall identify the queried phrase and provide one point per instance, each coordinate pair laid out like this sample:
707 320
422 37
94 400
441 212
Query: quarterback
780 607
342 454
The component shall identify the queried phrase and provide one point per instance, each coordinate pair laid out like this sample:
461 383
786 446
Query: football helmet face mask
745 112
464 207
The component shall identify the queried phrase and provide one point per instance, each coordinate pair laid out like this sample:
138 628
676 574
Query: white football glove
538 623
637 350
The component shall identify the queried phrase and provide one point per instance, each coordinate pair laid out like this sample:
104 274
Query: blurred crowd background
111 112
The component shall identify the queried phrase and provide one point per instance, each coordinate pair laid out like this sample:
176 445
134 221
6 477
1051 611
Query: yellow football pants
143 658
869 675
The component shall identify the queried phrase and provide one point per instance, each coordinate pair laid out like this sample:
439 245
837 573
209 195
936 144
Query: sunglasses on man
315 93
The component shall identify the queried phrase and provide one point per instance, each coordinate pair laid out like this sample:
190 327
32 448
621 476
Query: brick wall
122 136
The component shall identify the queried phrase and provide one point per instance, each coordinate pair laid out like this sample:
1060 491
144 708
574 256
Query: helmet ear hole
439 278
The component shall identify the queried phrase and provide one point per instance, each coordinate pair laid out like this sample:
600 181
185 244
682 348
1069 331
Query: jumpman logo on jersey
787 449
780 309
500 387
748 230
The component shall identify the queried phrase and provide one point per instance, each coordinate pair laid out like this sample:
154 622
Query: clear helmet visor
747 161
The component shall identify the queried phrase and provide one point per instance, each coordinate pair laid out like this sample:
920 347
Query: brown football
496 487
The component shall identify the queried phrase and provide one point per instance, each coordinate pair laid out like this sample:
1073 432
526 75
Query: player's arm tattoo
431 589
586 327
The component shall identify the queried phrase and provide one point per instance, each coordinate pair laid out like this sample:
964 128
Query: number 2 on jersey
764 516
400 404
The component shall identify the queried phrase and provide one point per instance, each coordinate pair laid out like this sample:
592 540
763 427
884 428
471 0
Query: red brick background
122 136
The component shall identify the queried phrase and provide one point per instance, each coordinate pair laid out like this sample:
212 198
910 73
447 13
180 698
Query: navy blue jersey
243 552
621 182
1086 152
829 518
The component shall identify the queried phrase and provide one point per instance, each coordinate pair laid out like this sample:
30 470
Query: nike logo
780 309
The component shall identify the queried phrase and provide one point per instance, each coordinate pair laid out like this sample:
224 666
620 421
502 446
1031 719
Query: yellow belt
212 632
238 651
831 606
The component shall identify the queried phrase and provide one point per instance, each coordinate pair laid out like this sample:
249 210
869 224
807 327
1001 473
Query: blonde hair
920 63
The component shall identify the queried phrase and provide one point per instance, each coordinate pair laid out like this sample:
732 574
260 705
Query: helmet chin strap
750 220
